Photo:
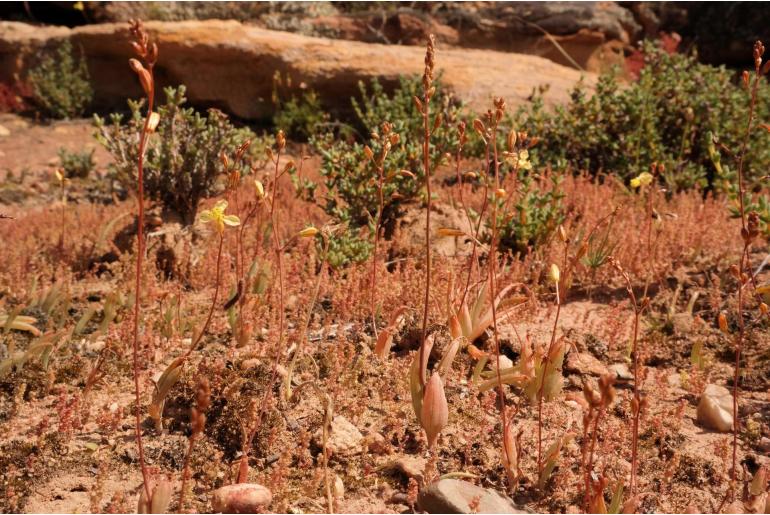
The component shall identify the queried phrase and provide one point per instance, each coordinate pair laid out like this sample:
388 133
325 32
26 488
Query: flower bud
153 122
448 232
723 322
554 273
308 232
435 412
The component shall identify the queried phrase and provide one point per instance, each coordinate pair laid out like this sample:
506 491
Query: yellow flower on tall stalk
519 159
641 180
217 215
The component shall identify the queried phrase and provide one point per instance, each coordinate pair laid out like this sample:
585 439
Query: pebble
4 131
715 409
456 496
345 438
585 364
241 498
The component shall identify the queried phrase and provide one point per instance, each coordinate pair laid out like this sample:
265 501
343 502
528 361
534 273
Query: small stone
241 498
715 409
585 363
505 362
338 488
764 444
4 131
377 444
621 371
456 496
411 466
345 439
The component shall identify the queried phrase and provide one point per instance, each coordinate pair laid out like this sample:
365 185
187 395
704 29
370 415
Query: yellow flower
217 215
519 159
643 179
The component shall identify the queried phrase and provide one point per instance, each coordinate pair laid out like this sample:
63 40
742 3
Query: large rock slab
231 65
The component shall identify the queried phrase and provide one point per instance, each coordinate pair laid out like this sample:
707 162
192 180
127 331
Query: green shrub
182 161
350 176
76 164
60 84
536 214
298 116
665 117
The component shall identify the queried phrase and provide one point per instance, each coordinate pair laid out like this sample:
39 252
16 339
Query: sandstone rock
345 438
409 234
456 496
715 409
241 498
584 363
231 65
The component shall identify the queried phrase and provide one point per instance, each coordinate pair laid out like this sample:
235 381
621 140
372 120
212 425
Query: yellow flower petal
231 220
206 216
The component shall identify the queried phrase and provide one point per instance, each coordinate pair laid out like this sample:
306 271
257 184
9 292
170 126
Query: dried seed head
280 140
435 412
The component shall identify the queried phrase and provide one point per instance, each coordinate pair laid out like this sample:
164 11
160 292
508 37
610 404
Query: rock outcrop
230 65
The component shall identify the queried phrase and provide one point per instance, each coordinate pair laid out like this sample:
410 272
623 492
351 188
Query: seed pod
500 193
745 77
762 306
478 126
511 140
368 152
435 412
510 456
562 233
417 103
394 139
281 140
723 323
437 122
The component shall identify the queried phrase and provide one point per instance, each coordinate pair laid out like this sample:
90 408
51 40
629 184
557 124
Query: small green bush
665 117
298 116
60 84
182 161
537 212
76 164
351 178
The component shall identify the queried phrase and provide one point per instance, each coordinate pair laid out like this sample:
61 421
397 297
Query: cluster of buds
146 51
232 170
603 398
427 76
751 231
